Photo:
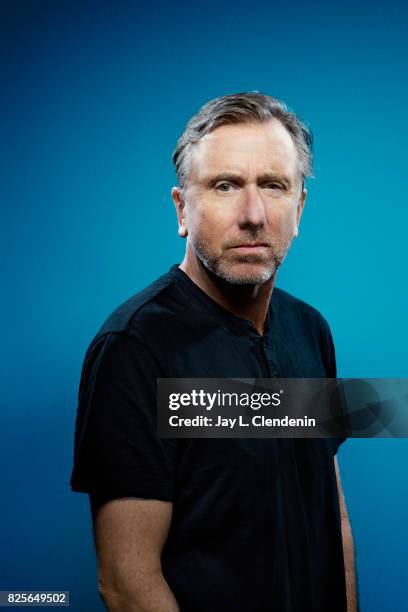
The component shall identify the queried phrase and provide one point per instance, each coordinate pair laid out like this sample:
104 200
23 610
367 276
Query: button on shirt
256 523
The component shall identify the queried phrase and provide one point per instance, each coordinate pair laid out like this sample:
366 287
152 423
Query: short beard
222 269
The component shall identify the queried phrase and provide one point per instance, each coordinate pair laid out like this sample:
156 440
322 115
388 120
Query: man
211 525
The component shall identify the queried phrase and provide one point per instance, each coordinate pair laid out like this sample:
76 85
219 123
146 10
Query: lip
249 244
251 249
257 245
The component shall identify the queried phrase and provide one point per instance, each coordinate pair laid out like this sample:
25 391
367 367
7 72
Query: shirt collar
230 319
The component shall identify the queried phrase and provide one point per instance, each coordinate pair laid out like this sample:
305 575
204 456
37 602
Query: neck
250 302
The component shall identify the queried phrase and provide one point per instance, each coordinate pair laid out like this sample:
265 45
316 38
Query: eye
274 186
224 186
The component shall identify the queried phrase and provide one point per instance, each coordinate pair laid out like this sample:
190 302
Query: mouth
251 247
250 244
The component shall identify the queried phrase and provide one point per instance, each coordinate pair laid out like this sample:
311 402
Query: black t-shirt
256 522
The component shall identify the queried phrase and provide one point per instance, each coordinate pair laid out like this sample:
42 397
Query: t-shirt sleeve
336 444
330 353
331 372
117 450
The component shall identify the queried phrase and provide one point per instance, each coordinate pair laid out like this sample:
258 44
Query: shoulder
141 313
303 325
125 338
293 309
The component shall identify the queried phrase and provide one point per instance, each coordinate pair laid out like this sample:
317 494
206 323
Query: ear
299 211
179 203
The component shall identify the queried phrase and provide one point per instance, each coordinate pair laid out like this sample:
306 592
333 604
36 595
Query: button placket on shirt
267 354
269 357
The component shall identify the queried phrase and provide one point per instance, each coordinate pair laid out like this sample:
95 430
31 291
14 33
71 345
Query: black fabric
256 523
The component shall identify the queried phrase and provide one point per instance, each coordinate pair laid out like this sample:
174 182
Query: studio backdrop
94 96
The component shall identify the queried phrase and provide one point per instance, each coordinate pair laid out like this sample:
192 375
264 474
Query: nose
252 212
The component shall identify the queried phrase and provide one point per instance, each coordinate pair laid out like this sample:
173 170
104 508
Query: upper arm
343 509
127 469
338 480
129 538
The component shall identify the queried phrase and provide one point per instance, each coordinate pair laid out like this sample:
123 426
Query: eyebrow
210 181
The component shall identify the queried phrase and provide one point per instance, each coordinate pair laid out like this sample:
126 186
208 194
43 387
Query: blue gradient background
93 98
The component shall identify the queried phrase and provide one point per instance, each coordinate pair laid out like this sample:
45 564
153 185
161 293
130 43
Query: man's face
243 200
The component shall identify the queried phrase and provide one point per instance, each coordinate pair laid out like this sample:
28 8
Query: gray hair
247 107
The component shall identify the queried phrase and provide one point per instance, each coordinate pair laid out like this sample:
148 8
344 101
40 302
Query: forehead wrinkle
269 170
215 163
220 149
